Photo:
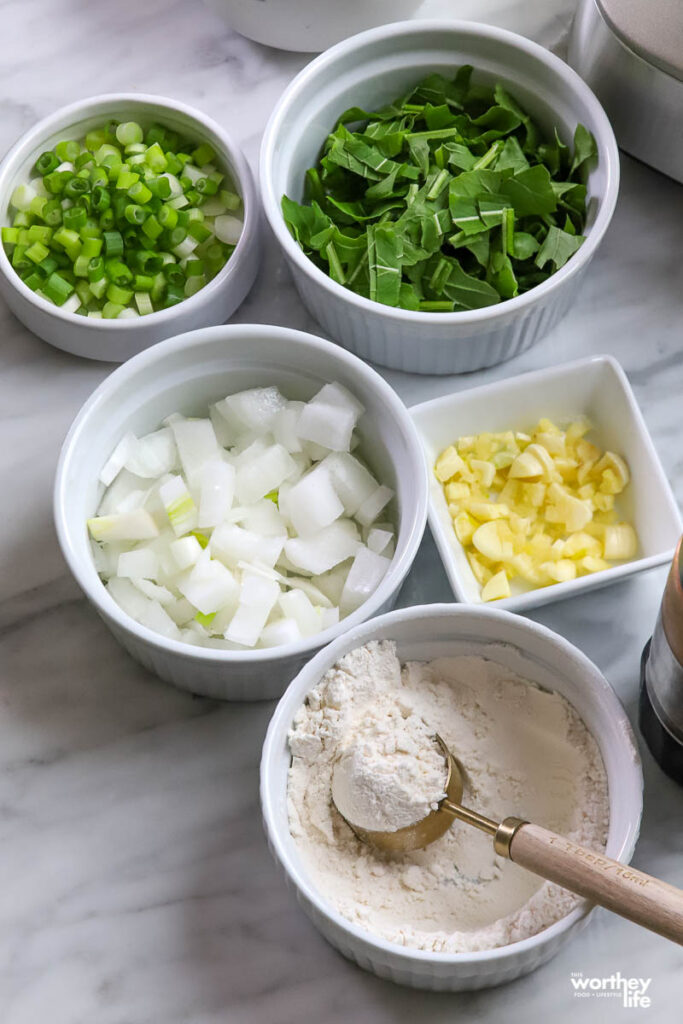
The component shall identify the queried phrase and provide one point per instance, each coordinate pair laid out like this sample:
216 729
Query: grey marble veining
135 884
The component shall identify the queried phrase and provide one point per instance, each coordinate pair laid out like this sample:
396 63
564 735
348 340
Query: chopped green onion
168 217
152 228
134 214
57 289
91 247
46 163
67 150
118 272
37 252
139 192
119 295
126 179
74 218
128 133
76 187
112 225
203 154
143 303
155 159
113 243
111 310
143 283
95 269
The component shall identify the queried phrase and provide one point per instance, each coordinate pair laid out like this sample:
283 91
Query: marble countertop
136 886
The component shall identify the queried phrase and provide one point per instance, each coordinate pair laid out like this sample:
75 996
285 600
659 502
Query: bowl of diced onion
233 498
125 218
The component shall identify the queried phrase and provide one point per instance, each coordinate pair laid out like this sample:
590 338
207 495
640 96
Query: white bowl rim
530 599
313 671
607 147
244 183
90 582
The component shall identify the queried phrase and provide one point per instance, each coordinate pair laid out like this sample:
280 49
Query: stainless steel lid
630 52
651 28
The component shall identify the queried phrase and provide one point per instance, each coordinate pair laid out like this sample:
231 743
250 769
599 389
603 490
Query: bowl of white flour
541 734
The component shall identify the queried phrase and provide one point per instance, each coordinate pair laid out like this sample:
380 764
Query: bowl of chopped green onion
438 190
125 219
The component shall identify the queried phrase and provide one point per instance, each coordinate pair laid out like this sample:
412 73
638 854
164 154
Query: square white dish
597 388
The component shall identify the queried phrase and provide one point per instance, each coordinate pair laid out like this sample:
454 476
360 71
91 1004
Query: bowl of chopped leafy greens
438 190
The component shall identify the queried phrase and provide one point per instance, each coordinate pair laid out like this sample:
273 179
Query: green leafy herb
447 199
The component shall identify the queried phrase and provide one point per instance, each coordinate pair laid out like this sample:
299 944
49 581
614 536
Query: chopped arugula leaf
447 199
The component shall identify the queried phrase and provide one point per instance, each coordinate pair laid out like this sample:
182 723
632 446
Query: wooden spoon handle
622 889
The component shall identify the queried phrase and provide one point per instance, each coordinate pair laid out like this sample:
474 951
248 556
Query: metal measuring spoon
623 890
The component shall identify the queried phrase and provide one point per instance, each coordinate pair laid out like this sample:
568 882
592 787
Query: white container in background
374 68
117 340
186 374
596 388
535 653
309 25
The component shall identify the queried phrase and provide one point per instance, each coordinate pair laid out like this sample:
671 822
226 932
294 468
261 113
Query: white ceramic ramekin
596 388
185 374
308 25
117 340
373 68
533 652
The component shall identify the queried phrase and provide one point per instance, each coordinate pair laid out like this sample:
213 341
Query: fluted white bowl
371 69
186 374
533 652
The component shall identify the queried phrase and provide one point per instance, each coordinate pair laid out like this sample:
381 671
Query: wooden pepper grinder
661 678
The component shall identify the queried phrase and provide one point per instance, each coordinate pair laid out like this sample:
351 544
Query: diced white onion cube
232 544
186 552
117 459
264 517
352 481
328 425
313 593
209 586
282 631
379 540
197 444
179 505
324 549
142 563
373 505
337 394
253 409
157 619
329 617
284 426
257 599
313 503
332 583
181 611
296 605
263 474
153 591
217 488
366 574
137 525
152 455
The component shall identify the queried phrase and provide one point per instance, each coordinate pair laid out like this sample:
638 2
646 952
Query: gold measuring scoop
622 889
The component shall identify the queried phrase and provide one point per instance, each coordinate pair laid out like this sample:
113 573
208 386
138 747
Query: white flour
525 751
389 773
